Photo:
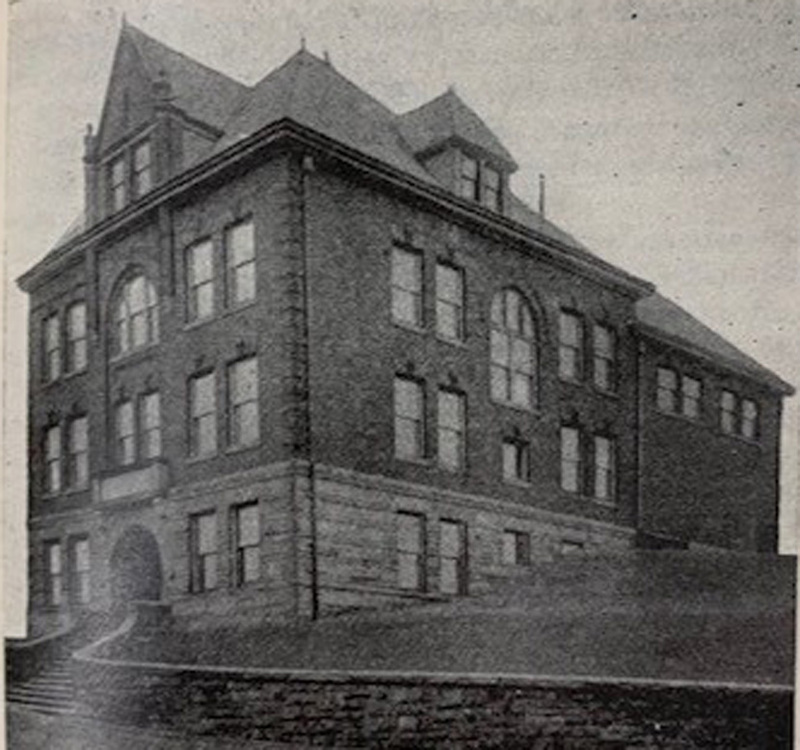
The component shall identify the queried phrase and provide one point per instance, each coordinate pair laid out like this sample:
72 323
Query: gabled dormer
163 112
457 147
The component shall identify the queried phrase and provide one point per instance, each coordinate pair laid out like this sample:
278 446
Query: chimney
541 195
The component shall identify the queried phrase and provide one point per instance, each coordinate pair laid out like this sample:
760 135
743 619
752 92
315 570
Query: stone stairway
51 691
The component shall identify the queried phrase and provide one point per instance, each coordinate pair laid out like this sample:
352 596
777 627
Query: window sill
132 356
232 450
741 438
571 381
67 492
408 327
515 482
606 393
74 374
682 417
426 462
190 460
458 343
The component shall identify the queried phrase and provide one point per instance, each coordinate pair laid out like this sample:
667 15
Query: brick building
303 353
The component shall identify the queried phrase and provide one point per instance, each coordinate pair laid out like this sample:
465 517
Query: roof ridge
136 35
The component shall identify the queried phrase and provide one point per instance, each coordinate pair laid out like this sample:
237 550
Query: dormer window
469 178
142 168
480 182
118 188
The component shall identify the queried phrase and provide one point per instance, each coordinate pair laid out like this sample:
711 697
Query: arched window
513 350
135 315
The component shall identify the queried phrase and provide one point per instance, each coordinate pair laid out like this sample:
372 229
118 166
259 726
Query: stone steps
51 692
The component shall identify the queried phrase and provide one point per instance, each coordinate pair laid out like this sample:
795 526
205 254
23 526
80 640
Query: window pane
79 435
522 357
54 443
244 283
509 548
241 243
448 577
206 533
209 572
451 410
667 379
448 284
408 571
82 555
520 389
151 410
203 396
244 381
510 460
248 525
54 558
409 533
77 321
408 398
407 270
501 346
251 564
201 265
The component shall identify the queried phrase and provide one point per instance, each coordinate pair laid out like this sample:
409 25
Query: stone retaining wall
435 711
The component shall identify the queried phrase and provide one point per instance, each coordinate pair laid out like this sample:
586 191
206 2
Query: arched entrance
135 567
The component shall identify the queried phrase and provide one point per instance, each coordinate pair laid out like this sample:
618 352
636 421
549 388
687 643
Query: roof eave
769 379
559 252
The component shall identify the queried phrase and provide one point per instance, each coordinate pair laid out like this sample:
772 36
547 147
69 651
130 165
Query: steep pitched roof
658 315
203 93
312 93
447 117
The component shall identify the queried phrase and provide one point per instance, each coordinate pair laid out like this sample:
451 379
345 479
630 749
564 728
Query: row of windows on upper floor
514 336
681 394
588 460
137 427
135 309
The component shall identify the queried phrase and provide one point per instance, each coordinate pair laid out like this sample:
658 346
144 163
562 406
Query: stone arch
136 573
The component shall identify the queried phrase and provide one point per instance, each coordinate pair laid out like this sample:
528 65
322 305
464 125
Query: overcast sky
668 131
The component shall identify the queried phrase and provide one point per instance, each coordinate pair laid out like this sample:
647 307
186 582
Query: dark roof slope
203 93
312 93
447 117
665 319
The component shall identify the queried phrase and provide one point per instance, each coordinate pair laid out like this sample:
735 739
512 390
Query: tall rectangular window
240 256
79 570
570 346
150 416
76 337
200 280
604 361
78 452
667 390
516 461
407 287
202 415
604 473
571 469
453 557
516 548
248 543
142 168
52 348
409 418
490 188
749 419
125 434
690 397
53 574
203 551
452 430
727 412
468 187
411 551
117 183
449 302
52 457
243 426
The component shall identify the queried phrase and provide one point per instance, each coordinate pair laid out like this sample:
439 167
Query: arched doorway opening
135 567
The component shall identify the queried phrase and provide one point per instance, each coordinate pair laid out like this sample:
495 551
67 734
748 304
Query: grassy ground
709 619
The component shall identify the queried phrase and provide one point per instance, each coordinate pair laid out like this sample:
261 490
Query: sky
668 131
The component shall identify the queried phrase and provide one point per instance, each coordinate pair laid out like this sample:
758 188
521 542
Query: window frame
507 338
79 588
663 390
398 291
234 408
460 560
609 358
521 460
605 473
241 549
419 421
124 317
232 268
458 306
141 173
194 288
417 555
468 180
53 461
76 343
576 348
578 460
53 579
195 418
520 543
118 188
127 441
686 398
745 419
146 430
459 430
198 572
51 348
77 458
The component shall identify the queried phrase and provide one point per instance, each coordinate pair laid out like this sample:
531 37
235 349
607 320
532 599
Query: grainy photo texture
403 375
